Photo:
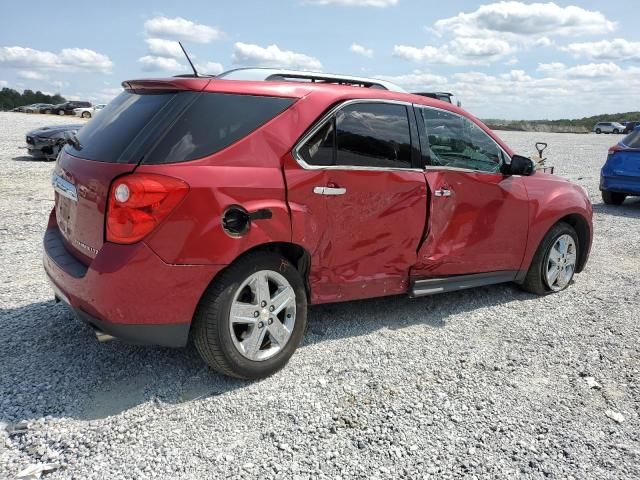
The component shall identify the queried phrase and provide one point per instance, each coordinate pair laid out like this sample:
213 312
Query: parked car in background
45 142
88 112
68 108
45 108
620 175
36 107
630 126
608 127
247 201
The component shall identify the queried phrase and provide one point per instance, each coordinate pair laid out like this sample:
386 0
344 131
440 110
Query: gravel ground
484 383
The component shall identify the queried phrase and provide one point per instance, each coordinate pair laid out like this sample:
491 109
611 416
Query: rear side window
362 135
319 149
212 122
172 127
373 135
633 139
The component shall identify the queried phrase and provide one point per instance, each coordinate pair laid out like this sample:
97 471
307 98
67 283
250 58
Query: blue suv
620 175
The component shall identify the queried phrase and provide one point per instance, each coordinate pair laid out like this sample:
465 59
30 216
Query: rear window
172 127
212 122
633 139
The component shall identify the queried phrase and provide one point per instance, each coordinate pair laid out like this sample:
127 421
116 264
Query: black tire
211 332
616 131
86 115
613 198
598 131
535 281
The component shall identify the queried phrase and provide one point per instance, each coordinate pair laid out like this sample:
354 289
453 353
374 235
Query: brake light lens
139 202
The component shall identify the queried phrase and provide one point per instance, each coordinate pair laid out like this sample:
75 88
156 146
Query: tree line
10 98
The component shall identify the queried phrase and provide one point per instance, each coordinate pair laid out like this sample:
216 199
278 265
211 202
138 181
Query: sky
507 59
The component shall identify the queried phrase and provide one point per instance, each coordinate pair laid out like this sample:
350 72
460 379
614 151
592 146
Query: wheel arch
298 256
581 226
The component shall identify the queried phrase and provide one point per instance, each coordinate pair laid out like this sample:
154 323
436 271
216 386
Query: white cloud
156 64
72 59
59 84
3 83
179 28
617 49
552 67
160 47
210 68
32 75
522 19
593 70
417 81
361 50
460 51
355 3
272 56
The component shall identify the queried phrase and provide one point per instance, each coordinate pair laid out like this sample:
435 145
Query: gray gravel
485 383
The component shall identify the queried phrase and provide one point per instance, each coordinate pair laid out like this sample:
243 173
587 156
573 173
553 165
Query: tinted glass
455 141
106 137
373 135
633 139
212 122
319 149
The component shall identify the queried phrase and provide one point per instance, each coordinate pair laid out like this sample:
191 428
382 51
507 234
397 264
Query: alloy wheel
262 315
561 263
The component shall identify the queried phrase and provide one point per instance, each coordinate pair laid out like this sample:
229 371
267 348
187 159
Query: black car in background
630 126
68 107
46 142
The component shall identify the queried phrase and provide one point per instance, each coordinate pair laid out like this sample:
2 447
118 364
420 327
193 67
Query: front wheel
252 317
86 115
60 112
554 263
613 198
616 131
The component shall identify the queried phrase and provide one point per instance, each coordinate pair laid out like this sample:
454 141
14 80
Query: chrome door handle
329 190
443 192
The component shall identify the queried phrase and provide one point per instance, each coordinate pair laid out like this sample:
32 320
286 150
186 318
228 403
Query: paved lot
489 383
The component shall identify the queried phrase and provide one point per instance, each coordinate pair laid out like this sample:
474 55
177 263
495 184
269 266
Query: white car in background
89 112
608 127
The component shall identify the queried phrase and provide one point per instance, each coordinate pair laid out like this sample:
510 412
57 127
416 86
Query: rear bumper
128 291
628 185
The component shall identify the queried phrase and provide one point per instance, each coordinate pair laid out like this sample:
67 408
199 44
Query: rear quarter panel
551 199
248 173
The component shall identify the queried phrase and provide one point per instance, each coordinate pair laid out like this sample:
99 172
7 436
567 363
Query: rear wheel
598 131
60 112
555 261
252 318
613 198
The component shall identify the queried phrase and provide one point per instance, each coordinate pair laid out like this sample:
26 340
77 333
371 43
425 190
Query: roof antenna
195 72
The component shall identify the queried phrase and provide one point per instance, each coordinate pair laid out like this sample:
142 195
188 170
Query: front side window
362 135
455 141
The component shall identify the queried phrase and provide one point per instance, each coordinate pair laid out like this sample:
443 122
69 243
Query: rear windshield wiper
72 140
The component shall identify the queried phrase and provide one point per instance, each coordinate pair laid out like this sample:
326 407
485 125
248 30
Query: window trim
424 144
329 115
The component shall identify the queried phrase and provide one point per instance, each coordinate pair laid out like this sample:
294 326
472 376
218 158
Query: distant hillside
581 125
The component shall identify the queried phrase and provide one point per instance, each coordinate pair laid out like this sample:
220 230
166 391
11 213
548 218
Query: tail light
139 202
616 148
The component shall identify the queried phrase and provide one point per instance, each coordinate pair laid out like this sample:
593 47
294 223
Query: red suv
219 209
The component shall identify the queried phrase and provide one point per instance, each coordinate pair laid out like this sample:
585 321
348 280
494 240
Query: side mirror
519 166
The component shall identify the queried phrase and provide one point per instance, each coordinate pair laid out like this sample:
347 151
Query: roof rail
275 74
